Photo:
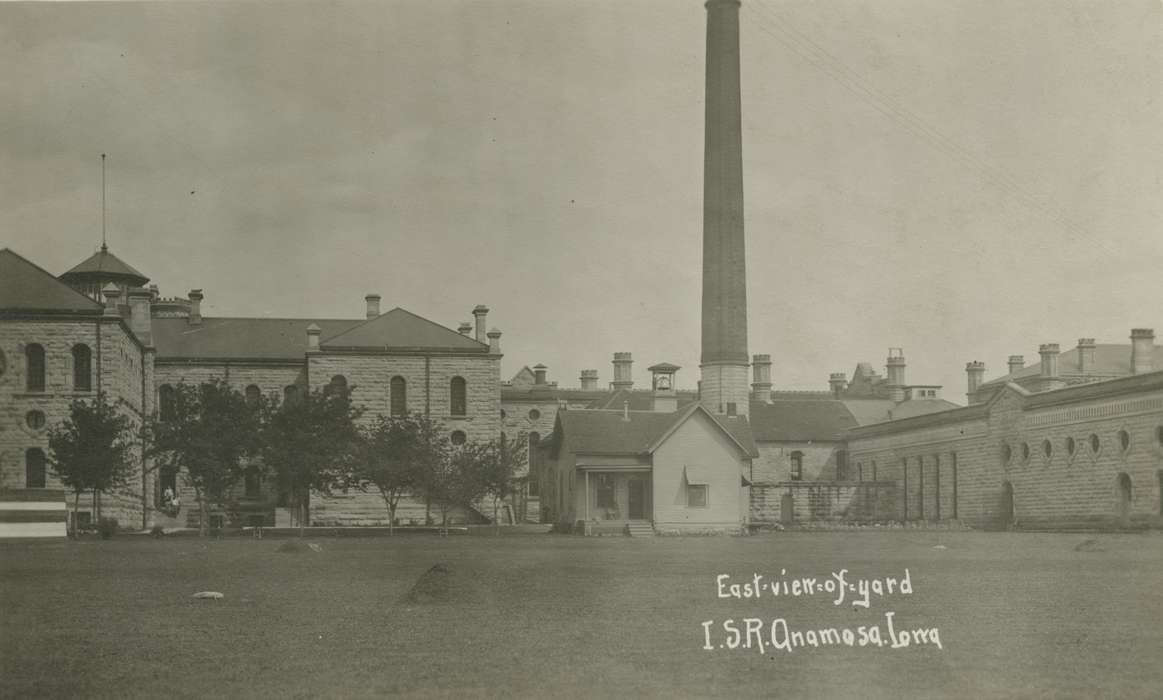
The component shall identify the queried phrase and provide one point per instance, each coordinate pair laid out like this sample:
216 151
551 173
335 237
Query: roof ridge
48 274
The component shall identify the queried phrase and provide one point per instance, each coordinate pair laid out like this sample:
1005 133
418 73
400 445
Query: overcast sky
965 180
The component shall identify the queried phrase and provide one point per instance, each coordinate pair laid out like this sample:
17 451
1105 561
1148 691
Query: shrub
107 527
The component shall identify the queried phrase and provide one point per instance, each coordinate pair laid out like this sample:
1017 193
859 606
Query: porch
617 500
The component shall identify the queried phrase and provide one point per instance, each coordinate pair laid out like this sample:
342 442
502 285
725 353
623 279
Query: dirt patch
293 547
437 585
1089 546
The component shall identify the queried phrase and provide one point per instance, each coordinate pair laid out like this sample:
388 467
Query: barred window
398 396
34 357
82 368
459 396
34 468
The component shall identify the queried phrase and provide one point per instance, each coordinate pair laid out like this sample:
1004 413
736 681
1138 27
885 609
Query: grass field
1019 615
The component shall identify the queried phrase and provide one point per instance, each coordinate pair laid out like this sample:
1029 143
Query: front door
637 506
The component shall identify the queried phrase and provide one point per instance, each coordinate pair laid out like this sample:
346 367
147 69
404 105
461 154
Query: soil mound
1089 546
436 585
292 547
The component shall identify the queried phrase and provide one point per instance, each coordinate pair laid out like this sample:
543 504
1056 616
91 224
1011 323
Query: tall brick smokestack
724 356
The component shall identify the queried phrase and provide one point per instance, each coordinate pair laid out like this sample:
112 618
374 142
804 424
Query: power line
815 55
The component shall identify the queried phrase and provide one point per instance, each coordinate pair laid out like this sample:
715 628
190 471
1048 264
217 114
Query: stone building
1084 454
58 343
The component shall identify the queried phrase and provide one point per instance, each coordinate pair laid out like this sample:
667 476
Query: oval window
458 437
534 414
1047 448
1124 440
1006 453
1094 443
1025 451
1070 446
35 419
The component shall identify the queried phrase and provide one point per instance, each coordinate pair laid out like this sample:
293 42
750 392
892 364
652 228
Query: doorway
1007 504
1123 497
637 505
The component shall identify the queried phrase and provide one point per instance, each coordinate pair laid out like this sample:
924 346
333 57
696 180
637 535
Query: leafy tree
497 470
459 481
90 450
389 457
212 432
310 443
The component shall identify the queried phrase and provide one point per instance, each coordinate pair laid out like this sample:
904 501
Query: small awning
698 474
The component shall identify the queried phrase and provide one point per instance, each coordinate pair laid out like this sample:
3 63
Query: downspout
427 385
144 481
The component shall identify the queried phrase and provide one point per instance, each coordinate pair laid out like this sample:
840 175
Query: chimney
1142 349
589 380
895 366
626 411
1086 351
373 305
1016 362
479 313
465 328
1049 353
761 373
112 298
154 294
494 340
139 318
195 318
622 378
539 373
837 382
974 373
313 332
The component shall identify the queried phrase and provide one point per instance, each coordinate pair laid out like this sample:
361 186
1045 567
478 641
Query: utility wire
811 52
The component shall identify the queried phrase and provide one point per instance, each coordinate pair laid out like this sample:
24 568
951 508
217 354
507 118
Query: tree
457 481
212 432
310 444
90 450
497 470
389 457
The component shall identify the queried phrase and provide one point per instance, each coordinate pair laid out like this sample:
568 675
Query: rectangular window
534 487
696 495
253 485
605 491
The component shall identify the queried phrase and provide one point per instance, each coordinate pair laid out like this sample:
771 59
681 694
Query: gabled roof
25 286
608 433
800 420
106 264
642 400
401 330
238 338
1110 360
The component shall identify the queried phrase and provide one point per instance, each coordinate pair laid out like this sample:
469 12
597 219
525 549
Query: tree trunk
496 522
203 513
302 508
76 507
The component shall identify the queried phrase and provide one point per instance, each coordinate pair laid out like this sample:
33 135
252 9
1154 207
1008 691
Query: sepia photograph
581 349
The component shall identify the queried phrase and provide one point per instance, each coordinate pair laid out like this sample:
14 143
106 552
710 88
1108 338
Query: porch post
587 495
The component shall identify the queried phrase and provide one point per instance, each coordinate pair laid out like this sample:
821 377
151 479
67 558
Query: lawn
549 616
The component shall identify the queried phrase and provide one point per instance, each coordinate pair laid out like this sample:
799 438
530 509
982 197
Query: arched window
290 394
338 385
1124 440
253 483
82 368
165 402
458 396
841 465
398 396
34 468
34 355
797 466
252 394
534 439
